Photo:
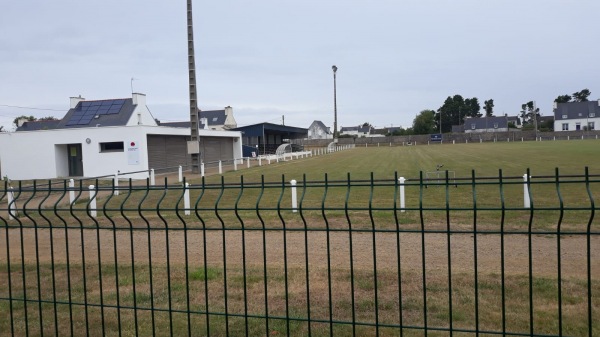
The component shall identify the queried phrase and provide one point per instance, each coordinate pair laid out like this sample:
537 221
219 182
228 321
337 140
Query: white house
318 130
574 116
101 137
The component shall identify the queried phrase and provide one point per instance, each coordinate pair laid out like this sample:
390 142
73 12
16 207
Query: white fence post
71 192
259 161
402 200
12 205
202 169
526 200
234 165
248 162
152 178
180 173
186 199
294 196
116 192
220 167
93 212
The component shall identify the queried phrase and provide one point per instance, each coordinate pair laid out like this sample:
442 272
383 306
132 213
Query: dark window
112 147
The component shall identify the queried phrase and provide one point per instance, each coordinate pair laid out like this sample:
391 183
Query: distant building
359 131
573 116
318 130
483 124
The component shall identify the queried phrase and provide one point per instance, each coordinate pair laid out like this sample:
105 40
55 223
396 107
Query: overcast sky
268 58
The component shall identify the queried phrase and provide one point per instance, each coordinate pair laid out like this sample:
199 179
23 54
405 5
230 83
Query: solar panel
86 111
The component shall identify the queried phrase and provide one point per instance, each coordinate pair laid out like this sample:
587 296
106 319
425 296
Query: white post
93 212
234 165
71 192
581 137
402 200
202 169
248 163
480 140
116 192
180 173
186 199
152 178
377 144
269 159
521 139
526 200
453 141
294 196
390 144
259 161
568 137
12 206
554 137
220 167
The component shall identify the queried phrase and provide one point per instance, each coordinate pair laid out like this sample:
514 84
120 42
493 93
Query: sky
273 58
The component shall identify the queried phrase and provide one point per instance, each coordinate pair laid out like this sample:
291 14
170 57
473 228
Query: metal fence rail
384 257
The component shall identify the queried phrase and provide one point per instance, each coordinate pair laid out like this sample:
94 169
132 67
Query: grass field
445 265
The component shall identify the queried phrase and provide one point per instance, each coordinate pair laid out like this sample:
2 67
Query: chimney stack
75 100
138 99
204 122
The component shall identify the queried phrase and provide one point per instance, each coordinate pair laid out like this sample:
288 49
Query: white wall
573 123
43 154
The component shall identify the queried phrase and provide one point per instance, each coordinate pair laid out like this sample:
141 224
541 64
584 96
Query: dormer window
495 125
592 114
473 126
564 116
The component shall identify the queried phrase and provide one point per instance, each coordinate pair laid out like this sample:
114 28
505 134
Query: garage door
216 148
166 153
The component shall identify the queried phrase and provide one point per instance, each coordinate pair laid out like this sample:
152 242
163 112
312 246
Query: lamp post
334 68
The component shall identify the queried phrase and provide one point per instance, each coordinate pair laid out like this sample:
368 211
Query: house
515 120
103 137
318 130
219 119
483 124
573 116
363 130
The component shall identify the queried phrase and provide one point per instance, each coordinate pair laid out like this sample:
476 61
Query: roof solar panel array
87 110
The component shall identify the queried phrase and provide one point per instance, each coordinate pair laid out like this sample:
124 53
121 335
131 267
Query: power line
28 107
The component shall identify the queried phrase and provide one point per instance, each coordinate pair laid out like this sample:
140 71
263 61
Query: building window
564 116
577 126
112 147
495 125
579 114
565 126
591 126
592 114
473 126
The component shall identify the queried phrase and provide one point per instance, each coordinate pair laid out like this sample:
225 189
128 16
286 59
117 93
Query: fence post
116 192
526 200
180 173
220 167
234 165
294 196
12 205
259 161
71 192
186 199
202 169
152 179
248 162
93 212
402 200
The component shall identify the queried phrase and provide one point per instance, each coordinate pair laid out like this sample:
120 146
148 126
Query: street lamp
334 68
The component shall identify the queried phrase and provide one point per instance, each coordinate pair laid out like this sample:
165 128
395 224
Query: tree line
456 108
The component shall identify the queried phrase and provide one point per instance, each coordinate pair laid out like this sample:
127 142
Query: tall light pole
192 88
334 104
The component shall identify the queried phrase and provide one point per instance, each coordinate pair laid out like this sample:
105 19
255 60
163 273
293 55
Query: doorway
75 160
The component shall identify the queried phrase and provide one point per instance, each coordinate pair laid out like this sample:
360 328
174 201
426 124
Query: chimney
228 111
75 100
598 101
554 105
138 99
204 123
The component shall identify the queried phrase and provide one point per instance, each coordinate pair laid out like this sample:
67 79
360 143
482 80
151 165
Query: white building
574 116
318 130
101 137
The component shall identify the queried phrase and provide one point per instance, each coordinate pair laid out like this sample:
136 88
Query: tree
28 118
1 128
563 99
424 123
581 96
488 106
528 111
454 110
48 118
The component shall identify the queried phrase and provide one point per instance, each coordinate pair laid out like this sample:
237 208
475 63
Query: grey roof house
484 124
576 116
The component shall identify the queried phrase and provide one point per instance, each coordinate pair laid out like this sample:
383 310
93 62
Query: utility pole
334 68
535 126
192 87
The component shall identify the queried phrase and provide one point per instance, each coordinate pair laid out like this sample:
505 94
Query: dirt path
544 250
